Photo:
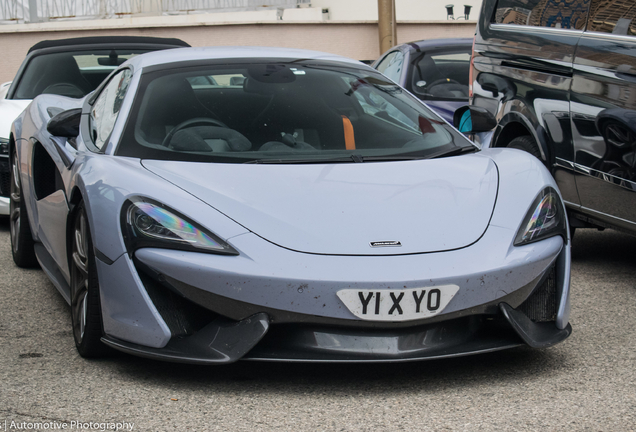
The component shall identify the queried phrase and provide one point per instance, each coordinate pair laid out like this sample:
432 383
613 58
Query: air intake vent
182 317
541 306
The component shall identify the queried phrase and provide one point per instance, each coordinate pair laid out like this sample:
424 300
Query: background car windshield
302 111
442 75
72 74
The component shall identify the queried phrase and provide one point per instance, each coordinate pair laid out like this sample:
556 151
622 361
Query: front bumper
223 341
186 296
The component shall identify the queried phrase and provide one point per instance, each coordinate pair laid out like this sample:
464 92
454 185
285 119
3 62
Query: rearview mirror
473 119
65 124
111 60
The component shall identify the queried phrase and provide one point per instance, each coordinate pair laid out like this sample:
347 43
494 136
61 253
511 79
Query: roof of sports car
231 52
100 40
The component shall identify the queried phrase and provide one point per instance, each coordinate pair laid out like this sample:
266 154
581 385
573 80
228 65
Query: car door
51 170
523 55
603 113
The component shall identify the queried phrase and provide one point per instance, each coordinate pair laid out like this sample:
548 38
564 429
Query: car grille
541 306
5 177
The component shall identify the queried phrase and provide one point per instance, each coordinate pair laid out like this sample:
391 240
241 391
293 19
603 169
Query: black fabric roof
95 40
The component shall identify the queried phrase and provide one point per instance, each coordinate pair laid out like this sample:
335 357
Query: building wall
357 40
405 10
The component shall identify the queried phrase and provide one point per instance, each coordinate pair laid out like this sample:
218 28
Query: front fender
512 124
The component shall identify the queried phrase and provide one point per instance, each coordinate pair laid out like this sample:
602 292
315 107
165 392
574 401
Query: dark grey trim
102 257
454 338
221 341
537 335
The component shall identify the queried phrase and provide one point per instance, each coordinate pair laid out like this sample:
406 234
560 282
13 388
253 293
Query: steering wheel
442 81
198 121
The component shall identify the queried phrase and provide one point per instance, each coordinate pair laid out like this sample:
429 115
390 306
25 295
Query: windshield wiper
305 161
356 158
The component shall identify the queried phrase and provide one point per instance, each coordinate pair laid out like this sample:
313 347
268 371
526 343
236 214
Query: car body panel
339 209
311 289
602 98
9 110
127 311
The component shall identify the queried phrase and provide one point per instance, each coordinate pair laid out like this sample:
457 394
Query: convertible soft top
95 40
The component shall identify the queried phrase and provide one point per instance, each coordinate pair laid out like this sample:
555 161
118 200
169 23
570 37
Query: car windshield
296 112
72 74
441 75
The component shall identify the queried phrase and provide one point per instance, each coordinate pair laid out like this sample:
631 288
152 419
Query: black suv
560 78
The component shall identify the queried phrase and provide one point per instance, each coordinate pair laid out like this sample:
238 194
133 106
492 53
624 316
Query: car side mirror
473 119
65 124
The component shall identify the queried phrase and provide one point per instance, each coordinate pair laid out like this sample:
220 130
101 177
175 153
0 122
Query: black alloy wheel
86 315
22 245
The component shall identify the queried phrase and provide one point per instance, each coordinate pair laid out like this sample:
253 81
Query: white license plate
398 305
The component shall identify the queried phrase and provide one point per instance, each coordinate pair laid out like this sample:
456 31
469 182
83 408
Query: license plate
398 305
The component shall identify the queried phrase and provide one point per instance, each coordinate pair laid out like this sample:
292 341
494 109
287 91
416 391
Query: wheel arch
514 125
75 197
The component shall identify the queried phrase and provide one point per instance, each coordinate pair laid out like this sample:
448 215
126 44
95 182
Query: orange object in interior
350 141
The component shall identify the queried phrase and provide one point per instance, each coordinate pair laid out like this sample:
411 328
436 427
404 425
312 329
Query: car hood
426 205
10 109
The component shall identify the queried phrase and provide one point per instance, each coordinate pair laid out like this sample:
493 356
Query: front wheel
527 144
22 245
86 315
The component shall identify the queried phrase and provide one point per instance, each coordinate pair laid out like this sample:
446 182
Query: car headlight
147 223
4 147
545 218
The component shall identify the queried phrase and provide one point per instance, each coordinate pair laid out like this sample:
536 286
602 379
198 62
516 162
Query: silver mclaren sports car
206 205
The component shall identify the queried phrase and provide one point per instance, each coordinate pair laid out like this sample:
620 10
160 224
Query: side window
106 107
441 75
539 13
385 61
391 65
613 17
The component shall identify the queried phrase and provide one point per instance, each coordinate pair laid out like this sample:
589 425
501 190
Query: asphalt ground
586 383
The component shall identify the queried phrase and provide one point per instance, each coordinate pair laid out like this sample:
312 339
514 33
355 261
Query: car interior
71 74
298 110
441 75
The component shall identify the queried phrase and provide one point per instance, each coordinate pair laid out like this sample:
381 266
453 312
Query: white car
67 67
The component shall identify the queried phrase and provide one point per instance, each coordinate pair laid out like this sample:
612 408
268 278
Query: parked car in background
561 82
67 67
210 205
435 70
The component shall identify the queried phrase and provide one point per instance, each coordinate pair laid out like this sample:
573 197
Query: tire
527 144
86 312
22 244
